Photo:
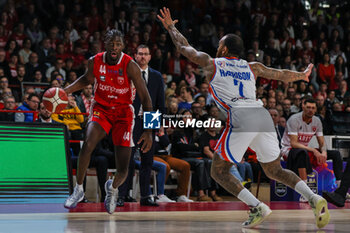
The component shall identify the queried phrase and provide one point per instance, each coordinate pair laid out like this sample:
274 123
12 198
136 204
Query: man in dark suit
45 116
155 86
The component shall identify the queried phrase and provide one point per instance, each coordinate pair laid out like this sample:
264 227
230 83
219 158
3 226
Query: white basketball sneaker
163 198
320 209
111 197
183 198
76 197
257 215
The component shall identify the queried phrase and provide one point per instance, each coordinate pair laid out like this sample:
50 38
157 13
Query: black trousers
299 158
200 178
146 165
345 181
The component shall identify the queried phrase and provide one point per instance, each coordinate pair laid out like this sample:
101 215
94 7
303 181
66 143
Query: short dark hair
112 34
309 100
234 44
141 46
30 96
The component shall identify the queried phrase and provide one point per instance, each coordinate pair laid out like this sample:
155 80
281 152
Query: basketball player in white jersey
232 84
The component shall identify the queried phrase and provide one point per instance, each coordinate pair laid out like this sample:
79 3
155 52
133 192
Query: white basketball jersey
233 83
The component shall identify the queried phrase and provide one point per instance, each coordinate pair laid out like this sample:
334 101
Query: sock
302 188
113 189
79 187
248 198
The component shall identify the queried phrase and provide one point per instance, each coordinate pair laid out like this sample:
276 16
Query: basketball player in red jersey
115 76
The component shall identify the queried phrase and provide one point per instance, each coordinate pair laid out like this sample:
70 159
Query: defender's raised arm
181 42
261 70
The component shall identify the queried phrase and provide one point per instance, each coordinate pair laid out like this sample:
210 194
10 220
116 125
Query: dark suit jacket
280 132
155 88
53 121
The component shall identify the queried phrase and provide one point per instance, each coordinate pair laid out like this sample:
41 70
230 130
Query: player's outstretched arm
84 80
181 43
261 70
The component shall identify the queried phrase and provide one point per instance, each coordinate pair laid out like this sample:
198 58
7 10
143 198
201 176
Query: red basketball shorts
119 119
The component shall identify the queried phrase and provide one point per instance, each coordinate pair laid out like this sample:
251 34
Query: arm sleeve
319 131
292 126
79 118
56 118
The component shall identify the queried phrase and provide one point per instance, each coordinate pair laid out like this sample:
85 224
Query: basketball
55 99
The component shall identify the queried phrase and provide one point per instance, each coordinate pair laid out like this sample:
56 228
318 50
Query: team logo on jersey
96 114
121 72
314 128
120 80
222 64
103 78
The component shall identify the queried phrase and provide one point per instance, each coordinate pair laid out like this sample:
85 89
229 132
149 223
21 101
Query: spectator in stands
31 104
286 108
340 65
38 77
176 66
197 111
279 97
186 95
13 63
343 91
204 90
161 170
9 104
326 70
73 122
271 103
179 165
184 146
191 78
301 127
331 99
55 83
84 99
72 76
290 92
320 101
4 83
34 31
45 115
296 103
4 63
336 52
59 63
279 129
25 51
33 65
21 73
45 53
303 89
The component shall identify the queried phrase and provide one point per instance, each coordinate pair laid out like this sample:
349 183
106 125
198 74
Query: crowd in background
49 42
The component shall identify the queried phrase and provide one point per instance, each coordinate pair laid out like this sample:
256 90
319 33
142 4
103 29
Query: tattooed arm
181 43
260 70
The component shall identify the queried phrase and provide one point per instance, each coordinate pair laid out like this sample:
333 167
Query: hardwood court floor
171 217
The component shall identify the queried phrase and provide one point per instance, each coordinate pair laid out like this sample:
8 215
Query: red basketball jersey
112 85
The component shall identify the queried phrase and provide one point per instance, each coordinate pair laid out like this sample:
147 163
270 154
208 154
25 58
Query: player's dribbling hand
146 138
307 72
166 18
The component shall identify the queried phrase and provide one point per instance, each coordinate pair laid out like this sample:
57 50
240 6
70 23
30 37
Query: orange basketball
55 99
